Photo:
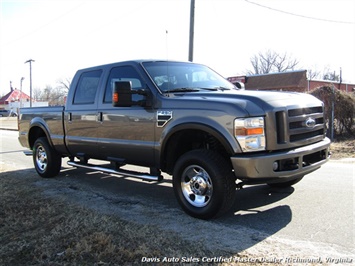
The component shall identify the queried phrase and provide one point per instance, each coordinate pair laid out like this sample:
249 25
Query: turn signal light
115 97
249 131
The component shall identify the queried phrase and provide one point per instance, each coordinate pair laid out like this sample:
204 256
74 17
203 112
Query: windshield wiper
221 88
195 89
215 89
182 90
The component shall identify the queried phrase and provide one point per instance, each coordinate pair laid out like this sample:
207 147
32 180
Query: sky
64 36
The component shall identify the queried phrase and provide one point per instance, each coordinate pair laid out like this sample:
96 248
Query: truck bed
49 118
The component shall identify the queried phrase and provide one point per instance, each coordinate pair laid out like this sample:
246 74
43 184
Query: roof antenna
167 58
166 45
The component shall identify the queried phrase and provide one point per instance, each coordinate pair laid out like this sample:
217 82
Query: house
14 96
16 99
288 81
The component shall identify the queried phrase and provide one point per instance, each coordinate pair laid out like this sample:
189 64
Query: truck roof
132 62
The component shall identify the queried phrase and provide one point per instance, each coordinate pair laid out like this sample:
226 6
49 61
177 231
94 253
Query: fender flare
38 122
225 140
199 126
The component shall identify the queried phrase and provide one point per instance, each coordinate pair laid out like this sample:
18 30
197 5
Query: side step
28 152
143 176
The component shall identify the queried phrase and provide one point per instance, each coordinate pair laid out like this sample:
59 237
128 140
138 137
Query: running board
144 176
28 152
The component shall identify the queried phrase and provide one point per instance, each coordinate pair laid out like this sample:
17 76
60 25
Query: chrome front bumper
291 163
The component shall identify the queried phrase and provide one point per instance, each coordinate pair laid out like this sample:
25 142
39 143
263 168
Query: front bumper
291 163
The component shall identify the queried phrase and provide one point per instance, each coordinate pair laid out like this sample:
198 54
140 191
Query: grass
343 148
35 230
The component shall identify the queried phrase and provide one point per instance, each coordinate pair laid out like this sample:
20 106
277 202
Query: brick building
288 81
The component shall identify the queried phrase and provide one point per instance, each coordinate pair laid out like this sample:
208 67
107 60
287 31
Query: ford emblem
310 122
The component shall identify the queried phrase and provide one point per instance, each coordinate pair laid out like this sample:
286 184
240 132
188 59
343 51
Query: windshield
185 77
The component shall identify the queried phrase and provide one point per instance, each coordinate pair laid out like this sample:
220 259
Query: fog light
275 166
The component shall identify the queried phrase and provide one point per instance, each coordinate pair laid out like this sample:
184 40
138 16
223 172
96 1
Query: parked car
6 113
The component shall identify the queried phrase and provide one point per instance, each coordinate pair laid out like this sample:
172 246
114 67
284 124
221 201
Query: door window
125 73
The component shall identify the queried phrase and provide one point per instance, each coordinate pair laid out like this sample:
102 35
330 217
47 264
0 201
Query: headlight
250 133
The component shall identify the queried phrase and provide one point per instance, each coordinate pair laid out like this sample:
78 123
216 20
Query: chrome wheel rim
196 186
41 158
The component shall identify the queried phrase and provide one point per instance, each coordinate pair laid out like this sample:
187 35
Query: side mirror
240 85
122 94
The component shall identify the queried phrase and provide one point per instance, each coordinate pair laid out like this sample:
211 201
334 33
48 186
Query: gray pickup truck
185 120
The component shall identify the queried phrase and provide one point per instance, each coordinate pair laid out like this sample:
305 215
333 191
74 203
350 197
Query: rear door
126 133
81 114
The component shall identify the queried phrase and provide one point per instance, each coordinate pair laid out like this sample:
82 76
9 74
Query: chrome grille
300 125
305 111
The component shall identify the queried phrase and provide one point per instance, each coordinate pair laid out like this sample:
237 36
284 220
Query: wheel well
187 140
34 134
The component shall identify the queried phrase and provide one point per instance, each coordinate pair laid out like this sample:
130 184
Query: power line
45 24
298 15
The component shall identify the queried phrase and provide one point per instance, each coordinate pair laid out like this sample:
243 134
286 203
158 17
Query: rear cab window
87 87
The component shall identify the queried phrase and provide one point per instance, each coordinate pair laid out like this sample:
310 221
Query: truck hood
249 103
274 99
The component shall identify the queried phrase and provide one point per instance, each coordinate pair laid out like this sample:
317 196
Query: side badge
163 117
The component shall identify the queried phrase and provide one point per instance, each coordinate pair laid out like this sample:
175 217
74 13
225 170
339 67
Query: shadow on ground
249 222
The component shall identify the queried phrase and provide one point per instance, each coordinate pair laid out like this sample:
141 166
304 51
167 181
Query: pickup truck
185 120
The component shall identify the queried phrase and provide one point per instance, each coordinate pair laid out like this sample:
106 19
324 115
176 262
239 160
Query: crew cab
185 120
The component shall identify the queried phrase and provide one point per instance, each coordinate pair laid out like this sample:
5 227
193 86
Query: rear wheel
204 184
45 159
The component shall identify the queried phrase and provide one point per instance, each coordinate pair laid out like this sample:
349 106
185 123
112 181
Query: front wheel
45 159
204 184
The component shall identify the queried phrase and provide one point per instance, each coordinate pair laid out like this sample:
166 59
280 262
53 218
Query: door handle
70 117
100 117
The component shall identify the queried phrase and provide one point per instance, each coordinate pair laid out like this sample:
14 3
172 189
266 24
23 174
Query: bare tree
54 96
313 74
271 62
64 84
37 94
329 75
47 94
284 63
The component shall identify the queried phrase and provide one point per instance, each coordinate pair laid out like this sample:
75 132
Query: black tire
204 184
45 159
285 184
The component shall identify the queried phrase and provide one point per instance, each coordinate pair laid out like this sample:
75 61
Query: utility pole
192 23
30 61
21 91
332 115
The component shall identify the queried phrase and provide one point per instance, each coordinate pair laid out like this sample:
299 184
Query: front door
126 133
